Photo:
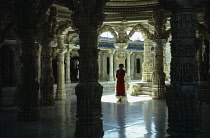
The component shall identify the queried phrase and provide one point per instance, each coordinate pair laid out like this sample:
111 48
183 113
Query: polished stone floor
133 117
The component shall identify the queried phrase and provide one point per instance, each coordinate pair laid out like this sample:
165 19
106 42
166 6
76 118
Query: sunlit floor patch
131 99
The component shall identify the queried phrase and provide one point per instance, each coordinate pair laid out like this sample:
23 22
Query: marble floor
133 117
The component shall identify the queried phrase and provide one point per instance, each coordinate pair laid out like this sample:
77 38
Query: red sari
120 87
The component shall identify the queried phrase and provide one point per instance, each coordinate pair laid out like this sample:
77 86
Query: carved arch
64 28
142 29
107 28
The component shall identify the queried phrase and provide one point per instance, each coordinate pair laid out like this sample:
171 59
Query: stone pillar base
158 92
147 77
28 115
68 81
111 79
89 130
60 95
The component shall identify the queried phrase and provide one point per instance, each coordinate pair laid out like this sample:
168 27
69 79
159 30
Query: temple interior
59 62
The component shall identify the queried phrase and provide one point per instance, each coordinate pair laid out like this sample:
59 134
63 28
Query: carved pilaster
147 64
128 69
29 85
158 76
121 53
183 97
87 17
61 91
67 60
111 67
47 78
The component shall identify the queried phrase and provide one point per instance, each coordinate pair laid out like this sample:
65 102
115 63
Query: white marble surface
134 117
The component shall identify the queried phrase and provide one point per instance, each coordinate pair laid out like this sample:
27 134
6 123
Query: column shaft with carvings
99 65
27 33
61 90
147 64
121 53
47 78
29 85
104 66
87 17
158 76
184 97
67 60
111 67
128 69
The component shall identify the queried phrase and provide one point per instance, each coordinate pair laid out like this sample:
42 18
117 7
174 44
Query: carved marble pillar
158 76
111 67
183 98
68 78
1 96
61 91
128 69
47 78
99 65
132 65
121 53
200 61
167 60
29 84
147 64
89 91
17 52
104 66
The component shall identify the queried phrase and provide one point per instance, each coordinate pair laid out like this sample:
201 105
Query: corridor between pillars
88 91
184 97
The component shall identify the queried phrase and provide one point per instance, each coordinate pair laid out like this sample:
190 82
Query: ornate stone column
128 69
99 65
158 76
147 64
167 60
26 29
111 67
121 53
132 65
104 66
29 85
47 78
183 98
68 78
47 42
61 91
200 61
87 17
17 51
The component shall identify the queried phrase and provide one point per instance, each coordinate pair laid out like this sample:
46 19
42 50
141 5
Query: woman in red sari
120 87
